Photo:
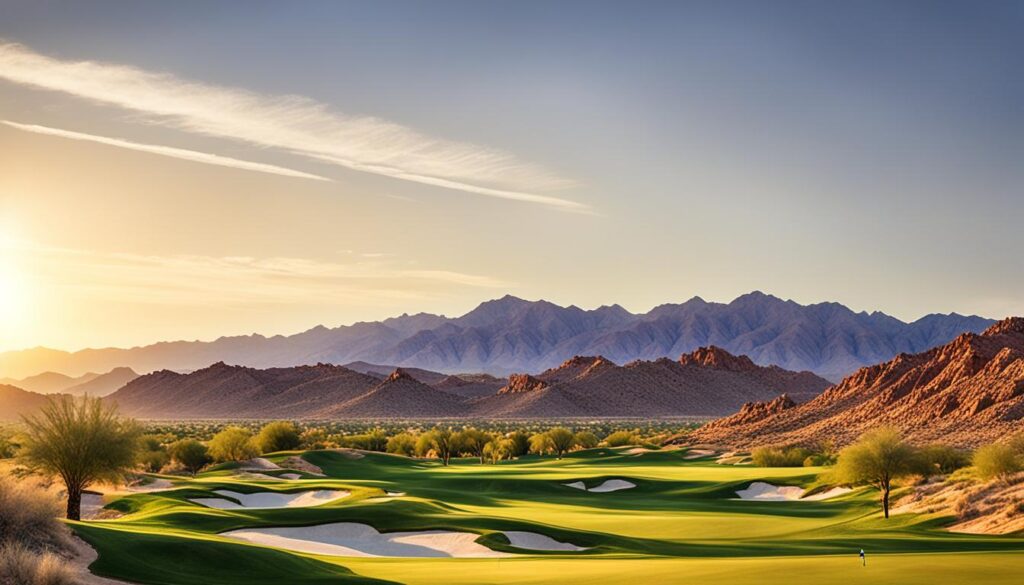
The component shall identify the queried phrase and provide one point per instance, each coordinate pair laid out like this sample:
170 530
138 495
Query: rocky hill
15 402
967 392
709 382
509 335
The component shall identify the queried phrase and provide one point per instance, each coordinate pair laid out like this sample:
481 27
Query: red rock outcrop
966 392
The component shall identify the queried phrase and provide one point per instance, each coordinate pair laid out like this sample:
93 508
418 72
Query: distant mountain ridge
510 335
709 383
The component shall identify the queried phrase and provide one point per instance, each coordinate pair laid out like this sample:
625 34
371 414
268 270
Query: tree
152 454
562 441
997 461
441 442
278 436
879 457
586 439
313 438
520 444
402 444
473 441
540 444
937 458
233 444
82 441
191 454
498 450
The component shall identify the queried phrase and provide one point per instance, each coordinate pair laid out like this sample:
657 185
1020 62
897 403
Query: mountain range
90 383
707 382
510 335
966 392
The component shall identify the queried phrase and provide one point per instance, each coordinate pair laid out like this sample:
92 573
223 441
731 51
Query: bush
939 459
190 454
21 566
28 517
278 436
779 457
402 444
520 444
997 461
621 439
313 439
233 444
586 440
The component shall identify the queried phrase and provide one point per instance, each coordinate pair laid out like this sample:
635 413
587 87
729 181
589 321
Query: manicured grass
681 523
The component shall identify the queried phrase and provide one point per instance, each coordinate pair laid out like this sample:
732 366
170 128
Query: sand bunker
268 500
259 463
290 476
766 492
611 485
698 453
534 541
349 539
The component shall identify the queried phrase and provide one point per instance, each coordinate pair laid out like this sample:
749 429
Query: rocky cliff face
968 391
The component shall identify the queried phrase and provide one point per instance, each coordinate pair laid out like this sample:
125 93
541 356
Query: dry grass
29 515
21 566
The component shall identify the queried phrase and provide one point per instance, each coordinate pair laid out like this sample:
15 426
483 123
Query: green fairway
681 523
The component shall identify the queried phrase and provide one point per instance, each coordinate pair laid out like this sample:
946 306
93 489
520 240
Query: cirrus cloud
291 123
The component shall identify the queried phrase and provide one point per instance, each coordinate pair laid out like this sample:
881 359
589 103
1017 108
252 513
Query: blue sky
868 153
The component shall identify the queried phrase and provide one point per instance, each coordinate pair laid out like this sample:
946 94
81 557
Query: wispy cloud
233 280
293 123
184 154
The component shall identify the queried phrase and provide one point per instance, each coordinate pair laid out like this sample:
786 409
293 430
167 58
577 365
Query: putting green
681 523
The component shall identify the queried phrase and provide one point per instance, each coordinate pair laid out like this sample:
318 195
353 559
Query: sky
189 170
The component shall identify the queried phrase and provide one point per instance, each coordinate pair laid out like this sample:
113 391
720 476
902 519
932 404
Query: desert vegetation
33 543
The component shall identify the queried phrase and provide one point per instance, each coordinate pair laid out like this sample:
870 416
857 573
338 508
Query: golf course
604 515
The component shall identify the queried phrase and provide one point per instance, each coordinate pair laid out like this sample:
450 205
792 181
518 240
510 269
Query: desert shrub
278 436
402 444
21 566
997 461
152 453
498 450
313 438
28 516
6 447
233 444
621 439
779 456
190 454
586 440
375 440
941 459
439 442
562 440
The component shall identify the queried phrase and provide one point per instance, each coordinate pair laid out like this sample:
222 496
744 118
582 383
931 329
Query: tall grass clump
779 456
21 566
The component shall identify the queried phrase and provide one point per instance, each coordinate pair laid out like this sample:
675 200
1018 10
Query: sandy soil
577 484
766 492
258 463
995 507
698 453
300 464
267 500
360 540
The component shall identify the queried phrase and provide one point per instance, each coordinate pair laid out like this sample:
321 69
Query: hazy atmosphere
175 171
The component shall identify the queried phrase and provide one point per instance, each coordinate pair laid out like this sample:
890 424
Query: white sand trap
392 494
290 476
91 505
267 500
766 492
350 539
613 485
534 541
832 493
